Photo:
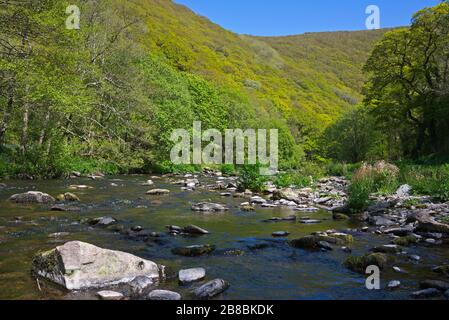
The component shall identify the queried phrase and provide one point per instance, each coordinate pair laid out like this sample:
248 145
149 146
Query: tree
408 85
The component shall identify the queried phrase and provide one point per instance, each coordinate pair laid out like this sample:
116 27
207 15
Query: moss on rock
359 264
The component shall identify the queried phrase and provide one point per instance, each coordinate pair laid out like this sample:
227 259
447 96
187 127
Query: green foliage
109 95
341 169
359 194
406 91
427 180
250 178
289 179
353 138
228 169
382 178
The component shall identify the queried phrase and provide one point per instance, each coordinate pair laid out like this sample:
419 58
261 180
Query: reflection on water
276 271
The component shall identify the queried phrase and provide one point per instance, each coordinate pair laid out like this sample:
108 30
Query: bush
341 169
381 178
250 178
289 179
359 193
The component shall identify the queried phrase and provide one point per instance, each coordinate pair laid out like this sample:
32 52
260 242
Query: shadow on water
268 268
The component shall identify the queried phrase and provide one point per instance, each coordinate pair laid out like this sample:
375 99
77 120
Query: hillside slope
107 96
309 79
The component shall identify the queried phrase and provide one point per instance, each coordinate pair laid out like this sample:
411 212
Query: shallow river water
274 272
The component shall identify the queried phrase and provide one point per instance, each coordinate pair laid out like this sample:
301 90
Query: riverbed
268 268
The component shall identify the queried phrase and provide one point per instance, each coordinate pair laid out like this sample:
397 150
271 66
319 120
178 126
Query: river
275 271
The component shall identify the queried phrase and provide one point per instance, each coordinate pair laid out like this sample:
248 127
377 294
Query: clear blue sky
286 17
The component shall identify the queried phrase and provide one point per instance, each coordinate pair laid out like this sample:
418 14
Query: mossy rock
406 241
359 264
194 251
340 216
247 208
68 196
346 238
391 249
313 242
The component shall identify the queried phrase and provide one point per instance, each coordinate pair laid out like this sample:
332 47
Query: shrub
381 178
295 179
250 178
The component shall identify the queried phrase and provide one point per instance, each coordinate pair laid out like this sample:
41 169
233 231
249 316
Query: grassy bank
384 179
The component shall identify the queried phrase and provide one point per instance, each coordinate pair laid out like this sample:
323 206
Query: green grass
427 180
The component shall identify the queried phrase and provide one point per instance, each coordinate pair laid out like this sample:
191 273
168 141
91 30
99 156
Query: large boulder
77 265
32 197
427 224
287 194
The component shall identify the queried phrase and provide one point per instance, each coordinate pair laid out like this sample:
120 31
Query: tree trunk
25 123
44 128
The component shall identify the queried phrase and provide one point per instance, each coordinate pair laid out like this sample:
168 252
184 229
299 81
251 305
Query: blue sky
286 17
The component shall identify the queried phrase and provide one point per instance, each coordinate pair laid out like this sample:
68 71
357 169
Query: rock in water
32 197
140 284
158 192
148 183
359 264
191 275
164 295
68 197
280 234
193 251
110 295
208 207
103 221
77 265
394 284
211 289
426 293
435 284
192 229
